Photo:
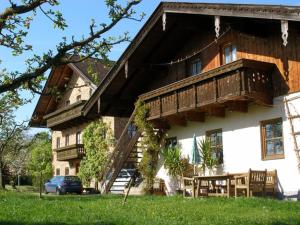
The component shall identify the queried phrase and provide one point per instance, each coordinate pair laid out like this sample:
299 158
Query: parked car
64 184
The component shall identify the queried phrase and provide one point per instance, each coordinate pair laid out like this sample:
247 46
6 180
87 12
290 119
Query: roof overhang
266 12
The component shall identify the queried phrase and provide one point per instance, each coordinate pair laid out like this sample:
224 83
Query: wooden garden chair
271 182
253 181
188 182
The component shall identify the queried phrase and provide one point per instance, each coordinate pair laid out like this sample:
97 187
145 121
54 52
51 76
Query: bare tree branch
87 45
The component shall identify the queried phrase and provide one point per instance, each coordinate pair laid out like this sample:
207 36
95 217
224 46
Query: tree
97 140
40 160
18 162
15 23
11 140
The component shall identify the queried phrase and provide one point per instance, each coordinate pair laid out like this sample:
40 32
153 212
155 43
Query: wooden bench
271 182
253 181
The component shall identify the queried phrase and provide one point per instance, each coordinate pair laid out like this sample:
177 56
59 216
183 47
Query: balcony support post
215 90
195 95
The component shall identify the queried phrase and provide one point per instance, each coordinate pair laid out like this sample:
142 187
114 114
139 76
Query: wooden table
214 189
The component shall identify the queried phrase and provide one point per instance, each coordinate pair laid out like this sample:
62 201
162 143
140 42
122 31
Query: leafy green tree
16 17
40 160
150 145
11 138
97 140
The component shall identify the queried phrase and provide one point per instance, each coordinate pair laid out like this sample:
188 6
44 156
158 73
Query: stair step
294 117
291 99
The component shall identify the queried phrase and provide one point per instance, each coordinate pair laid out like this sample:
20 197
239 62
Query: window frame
264 156
169 142
230 44
78 137
208 134
67 140
67 171
192 63
57 142
57 171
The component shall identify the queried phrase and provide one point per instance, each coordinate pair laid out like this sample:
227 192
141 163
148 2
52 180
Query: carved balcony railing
242 80
70 152
63 117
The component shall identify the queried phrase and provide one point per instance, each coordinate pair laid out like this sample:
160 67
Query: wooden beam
195 116
239 106
178 120
216 111
161 124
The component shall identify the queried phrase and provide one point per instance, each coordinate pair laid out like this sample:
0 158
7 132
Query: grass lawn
22 208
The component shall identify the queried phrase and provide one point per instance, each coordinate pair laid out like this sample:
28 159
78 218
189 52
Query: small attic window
67 103
229 53
78 98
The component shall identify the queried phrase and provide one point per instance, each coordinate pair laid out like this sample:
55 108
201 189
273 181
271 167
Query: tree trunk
41 178
2 185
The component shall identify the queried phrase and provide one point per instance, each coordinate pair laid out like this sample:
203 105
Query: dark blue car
64 184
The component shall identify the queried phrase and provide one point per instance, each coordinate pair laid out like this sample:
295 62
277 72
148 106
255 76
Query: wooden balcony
231 86
64 117
70 152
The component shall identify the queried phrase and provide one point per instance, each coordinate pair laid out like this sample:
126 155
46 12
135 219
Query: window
77 168
67 103
216 140
67 138
57 172
272 139
67 171
78 98
229 53
131 130
196 67
78 137
58 142
91 92
171 142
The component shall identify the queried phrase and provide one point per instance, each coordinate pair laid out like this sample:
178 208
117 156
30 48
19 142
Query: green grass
22 208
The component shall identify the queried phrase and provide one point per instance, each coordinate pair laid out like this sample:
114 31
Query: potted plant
208 161
174 162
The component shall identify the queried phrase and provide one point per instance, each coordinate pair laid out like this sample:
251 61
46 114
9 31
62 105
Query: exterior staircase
123 156
293 116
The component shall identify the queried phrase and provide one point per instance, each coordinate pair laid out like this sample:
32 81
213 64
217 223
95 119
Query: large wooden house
60 108
228 72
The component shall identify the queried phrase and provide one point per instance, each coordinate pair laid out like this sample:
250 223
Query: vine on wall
150 145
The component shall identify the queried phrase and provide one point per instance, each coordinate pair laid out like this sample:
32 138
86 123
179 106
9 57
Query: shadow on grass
50 223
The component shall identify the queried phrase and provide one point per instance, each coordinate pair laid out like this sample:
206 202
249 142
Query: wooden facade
157 57
70 152
63 117
239 82
158 67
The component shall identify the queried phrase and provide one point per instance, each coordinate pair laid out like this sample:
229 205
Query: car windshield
59 178
72 178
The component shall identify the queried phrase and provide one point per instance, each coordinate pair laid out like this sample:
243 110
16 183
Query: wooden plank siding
70 152
242 80
265 49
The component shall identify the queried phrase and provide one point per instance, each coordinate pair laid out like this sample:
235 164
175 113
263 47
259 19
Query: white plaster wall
242 142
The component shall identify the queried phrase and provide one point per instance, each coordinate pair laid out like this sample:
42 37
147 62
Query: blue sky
78 14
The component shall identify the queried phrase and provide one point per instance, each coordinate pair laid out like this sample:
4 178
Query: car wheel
58 192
